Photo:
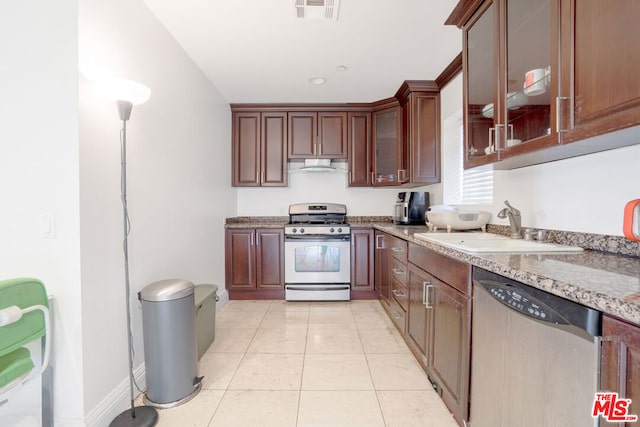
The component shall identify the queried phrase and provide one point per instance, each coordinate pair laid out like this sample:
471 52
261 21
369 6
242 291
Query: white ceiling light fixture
317 80
317 9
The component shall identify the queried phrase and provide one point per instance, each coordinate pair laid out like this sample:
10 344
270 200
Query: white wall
584 194
179 187
39 173
321 187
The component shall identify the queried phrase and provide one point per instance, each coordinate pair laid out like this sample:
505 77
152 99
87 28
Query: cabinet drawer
400 293
398 315
398 270
398 248
453 272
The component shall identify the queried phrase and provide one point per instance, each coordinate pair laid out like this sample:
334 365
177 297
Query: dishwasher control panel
523 303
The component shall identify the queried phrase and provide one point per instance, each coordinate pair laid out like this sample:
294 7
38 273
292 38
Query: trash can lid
167 290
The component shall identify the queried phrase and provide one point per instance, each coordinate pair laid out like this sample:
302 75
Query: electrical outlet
47 226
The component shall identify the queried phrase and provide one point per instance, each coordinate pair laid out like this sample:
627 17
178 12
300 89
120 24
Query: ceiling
258 51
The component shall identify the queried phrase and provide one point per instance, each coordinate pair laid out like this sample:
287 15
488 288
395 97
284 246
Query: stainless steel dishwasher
535 356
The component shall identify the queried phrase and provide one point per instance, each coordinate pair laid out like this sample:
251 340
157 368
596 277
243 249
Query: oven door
317 261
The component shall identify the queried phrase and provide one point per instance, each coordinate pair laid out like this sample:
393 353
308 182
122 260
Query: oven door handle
306 288
316 238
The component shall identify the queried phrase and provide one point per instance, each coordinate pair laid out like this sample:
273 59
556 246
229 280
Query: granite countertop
604 281
597 278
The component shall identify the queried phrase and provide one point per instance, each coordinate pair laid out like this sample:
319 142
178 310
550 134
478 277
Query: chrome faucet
514 219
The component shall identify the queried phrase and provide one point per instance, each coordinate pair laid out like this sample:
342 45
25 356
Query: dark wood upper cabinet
600 67
317 135
259 152
302 135
420 101
246 150
539 75
389 156
359 145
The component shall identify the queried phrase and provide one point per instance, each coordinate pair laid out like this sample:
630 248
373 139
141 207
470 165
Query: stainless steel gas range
317 253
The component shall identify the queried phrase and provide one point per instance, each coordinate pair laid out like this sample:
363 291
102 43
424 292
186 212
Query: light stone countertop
605 281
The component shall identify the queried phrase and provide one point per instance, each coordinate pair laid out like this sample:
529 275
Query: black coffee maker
410 207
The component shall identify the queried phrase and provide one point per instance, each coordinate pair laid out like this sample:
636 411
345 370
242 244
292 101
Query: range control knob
339 230
302 230
295 230
331 230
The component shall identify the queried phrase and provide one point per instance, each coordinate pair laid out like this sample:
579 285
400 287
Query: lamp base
146 416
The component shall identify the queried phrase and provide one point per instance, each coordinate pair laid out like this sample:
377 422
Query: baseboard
223 298
117 401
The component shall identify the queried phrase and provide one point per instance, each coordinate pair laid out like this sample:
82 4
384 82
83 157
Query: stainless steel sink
489 243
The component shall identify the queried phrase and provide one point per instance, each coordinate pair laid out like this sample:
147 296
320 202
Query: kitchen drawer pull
398 293
396 315
378 241
428 303
395 249
398 272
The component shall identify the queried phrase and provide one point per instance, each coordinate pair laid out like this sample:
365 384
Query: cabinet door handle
378 241
559 115
498 136
262 178
319 149
427 288
491 132
373 177
251 239
402 175
257 239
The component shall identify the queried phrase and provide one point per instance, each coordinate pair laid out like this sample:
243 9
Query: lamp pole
142 415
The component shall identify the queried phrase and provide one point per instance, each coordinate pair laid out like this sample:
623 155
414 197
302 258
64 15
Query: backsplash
595 242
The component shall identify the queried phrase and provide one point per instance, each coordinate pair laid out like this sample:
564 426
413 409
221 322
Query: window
462 186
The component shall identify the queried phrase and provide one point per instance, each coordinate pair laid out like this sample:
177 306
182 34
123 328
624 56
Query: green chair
24 317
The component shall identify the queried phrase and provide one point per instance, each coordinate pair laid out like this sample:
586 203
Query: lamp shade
125 90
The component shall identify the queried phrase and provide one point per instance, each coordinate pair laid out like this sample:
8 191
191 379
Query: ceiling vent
317 9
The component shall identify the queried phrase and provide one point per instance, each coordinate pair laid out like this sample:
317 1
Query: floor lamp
126 94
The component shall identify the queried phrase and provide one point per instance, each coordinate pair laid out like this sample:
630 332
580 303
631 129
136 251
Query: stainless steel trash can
168 322
205 303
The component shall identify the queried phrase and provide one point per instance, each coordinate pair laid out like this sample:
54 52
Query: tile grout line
375 391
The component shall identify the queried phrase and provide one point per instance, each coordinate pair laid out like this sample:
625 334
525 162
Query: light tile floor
277 363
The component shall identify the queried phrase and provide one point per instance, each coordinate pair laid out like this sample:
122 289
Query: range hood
317 165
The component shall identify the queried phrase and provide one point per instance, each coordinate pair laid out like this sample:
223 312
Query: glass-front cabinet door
481 91
530 72
388 167
511 52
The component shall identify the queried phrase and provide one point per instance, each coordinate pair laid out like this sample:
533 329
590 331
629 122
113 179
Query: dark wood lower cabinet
620 363
254 263
439 324
382 267
419 322
450 347
362 256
